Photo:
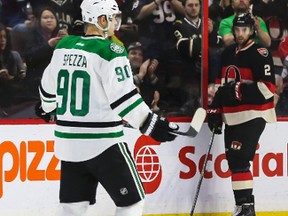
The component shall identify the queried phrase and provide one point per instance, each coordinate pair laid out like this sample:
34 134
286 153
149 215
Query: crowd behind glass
156 34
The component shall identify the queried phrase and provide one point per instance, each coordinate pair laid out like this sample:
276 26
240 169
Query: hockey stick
195 124
202 173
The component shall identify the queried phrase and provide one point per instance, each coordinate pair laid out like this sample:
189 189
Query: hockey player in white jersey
89 84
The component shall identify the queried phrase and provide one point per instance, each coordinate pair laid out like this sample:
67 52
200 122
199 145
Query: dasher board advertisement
29 173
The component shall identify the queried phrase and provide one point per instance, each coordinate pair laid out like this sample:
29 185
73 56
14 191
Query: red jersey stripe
242 176
246 107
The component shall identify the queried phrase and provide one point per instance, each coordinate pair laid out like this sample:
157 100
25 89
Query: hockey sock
242 185
135 209
73 209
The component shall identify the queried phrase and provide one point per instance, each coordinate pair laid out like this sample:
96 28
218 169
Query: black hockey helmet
244 19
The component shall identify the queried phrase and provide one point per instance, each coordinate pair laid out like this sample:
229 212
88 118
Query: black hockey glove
214 111
231 91
47 117
214 118
159 128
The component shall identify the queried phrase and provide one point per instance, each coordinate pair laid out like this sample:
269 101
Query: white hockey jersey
90 83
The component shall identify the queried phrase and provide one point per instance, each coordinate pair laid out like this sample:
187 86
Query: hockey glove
47 117
214 117
231 91
159 128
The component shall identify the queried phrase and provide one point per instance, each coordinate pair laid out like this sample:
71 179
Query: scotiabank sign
263 163
270 164
27 161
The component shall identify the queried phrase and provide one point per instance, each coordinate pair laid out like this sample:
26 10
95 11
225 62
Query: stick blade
195 125
198 119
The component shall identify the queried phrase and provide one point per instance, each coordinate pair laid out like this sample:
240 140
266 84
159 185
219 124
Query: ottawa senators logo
236 145
232 72
263 51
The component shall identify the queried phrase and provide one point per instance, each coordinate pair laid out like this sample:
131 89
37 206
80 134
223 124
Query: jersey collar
247 46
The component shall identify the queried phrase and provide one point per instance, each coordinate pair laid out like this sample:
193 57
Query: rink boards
29 177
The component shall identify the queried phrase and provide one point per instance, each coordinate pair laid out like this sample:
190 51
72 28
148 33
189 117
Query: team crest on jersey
263 51
232 72
116 48
236 145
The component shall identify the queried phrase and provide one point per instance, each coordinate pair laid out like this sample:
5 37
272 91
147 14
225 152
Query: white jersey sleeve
47 91
122 93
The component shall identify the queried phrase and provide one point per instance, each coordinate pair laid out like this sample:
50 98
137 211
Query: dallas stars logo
116 48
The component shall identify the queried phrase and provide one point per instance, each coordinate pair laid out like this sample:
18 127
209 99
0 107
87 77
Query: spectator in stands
227 8
155 19
12 71
225 28
281 96
279 88
128 31
216 12
20 30
68 13
282 104
41 41
144 79
211 93
283 54
266 8
188 36
155 28
12 12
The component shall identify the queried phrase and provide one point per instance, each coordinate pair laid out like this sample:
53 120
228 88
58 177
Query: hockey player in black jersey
244 101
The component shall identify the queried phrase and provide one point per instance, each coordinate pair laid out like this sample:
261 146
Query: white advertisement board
29 173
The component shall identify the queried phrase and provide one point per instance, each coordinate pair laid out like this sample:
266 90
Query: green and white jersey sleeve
90 82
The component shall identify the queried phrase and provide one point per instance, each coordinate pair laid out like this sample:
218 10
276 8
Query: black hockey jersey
188 37
252 66
157 27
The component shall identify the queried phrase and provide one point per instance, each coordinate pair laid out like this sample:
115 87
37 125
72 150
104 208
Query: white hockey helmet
92 9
